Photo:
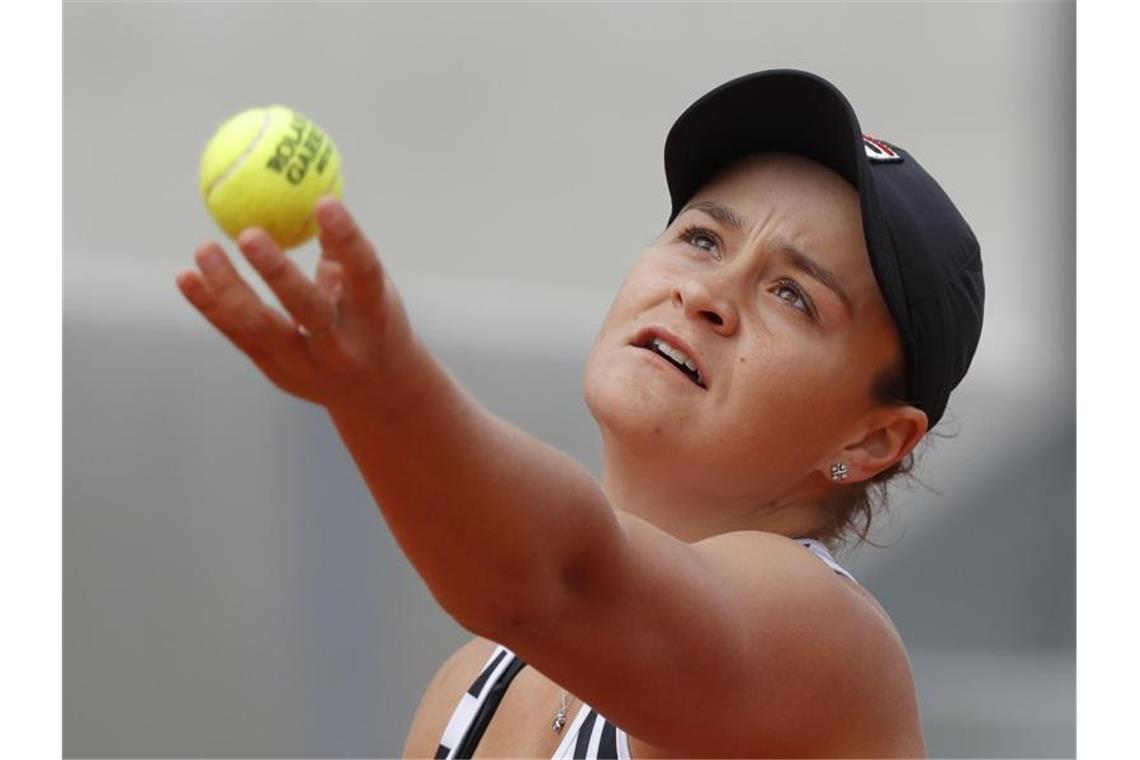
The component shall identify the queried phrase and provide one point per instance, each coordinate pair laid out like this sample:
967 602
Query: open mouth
674 356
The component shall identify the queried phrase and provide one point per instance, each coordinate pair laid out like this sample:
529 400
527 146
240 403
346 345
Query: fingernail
211 259
333 216
248 237
256 249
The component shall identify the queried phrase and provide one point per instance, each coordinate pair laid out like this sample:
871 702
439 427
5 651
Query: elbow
513 609
545 585
536 605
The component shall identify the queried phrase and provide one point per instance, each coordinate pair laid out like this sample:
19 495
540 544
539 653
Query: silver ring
332 325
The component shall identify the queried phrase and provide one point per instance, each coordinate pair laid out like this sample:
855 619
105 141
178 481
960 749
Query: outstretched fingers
301 297
343 242
232 306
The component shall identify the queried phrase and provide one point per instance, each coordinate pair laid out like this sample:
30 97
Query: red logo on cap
877 150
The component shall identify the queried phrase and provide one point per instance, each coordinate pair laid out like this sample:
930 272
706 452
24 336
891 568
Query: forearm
492 518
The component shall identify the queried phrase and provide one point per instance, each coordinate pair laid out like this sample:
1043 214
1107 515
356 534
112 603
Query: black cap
925 257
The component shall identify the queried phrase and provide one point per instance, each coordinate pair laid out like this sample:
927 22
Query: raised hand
345 333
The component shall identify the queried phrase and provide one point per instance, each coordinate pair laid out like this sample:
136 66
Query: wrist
410 381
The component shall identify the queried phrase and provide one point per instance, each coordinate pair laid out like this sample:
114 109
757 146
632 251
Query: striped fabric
485 692
591 735
588 736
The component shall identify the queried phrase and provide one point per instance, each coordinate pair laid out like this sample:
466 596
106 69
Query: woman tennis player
779 349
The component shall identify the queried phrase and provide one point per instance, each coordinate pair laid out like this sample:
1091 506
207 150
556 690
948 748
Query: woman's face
784 362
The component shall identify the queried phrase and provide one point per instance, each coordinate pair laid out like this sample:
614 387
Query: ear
888 435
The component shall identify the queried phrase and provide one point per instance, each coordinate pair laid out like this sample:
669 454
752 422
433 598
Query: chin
633 409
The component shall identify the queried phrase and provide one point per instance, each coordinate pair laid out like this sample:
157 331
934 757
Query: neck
692 511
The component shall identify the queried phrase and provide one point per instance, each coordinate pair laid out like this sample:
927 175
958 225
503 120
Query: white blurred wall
229 588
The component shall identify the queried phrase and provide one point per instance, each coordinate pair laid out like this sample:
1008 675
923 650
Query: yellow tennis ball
267 167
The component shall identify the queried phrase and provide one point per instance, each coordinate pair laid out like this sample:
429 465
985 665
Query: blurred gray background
229 586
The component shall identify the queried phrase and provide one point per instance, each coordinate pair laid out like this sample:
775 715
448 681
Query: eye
798 298
694 233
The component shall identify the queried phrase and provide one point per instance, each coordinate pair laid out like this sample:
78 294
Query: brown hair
850 509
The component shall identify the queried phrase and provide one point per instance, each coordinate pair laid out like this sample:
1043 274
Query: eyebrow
799 259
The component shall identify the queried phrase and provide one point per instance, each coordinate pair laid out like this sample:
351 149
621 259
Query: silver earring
839 471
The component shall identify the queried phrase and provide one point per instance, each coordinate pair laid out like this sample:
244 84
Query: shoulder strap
817 548
492 696
466 713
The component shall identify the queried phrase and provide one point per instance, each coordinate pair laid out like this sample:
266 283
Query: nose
703 301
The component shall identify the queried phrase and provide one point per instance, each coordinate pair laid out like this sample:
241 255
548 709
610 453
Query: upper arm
712 647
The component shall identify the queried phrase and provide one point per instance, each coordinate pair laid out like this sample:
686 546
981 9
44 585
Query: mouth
673 350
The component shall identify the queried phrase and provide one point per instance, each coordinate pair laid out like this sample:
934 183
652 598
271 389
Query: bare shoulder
893 702
454 676
840 646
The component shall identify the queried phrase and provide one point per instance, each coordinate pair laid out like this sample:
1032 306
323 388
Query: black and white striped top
589 735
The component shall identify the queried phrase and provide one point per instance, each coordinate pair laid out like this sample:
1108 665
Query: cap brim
782 110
